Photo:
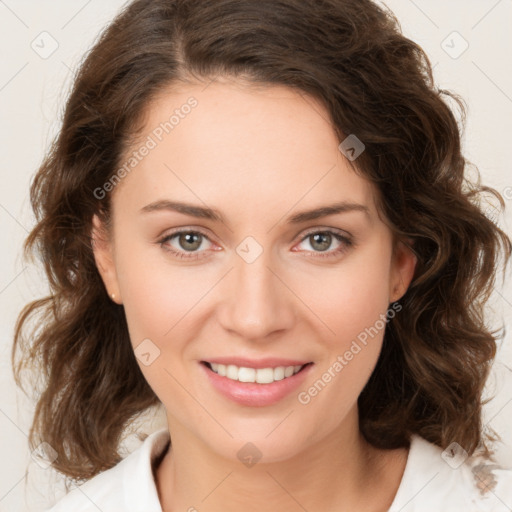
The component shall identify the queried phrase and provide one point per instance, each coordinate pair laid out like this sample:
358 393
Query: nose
258 303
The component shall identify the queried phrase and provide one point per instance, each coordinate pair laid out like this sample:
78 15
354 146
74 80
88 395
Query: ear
402 272
103 251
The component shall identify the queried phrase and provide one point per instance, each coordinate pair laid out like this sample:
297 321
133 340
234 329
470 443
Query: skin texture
257 155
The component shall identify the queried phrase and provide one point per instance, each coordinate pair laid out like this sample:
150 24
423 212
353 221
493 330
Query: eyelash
346 243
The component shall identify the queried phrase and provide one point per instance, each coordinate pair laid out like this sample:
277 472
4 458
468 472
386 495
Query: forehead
251 146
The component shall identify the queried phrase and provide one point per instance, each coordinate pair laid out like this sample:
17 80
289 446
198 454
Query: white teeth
244 374
232 372
264 375
279 373
260 375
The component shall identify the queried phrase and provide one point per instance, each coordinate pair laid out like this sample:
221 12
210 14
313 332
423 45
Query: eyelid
342 236
325 229
178 231
303 234
186 256
345 239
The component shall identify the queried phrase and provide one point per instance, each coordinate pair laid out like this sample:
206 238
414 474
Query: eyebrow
215 215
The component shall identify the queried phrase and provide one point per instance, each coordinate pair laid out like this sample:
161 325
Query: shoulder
448 480
128 486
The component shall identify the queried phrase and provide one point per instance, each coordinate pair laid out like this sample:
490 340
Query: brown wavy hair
375 83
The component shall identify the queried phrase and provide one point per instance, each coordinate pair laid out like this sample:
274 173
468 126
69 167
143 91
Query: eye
185 244
321 241
190 244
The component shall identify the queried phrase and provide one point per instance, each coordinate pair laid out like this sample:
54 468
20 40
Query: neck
328 475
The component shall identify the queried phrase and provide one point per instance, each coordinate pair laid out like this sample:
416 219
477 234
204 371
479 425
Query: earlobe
104 258
404 265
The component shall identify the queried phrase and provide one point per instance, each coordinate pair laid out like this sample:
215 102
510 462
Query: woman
256 214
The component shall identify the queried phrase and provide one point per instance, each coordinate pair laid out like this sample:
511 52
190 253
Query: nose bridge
257 303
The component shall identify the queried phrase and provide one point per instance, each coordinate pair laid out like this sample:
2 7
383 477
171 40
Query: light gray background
32 93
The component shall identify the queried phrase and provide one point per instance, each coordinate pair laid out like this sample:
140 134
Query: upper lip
267 362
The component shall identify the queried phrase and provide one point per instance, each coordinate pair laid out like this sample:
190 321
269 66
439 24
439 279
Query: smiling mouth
254 375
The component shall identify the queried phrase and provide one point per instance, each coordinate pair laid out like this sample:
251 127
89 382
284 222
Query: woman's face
242 238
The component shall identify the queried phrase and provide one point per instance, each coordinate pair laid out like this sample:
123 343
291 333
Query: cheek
353 304
156 294
351 298
161 309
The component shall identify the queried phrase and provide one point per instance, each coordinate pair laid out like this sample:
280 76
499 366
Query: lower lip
253 394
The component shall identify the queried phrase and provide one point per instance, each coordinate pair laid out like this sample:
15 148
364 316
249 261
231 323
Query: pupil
322 241
188 238
326 241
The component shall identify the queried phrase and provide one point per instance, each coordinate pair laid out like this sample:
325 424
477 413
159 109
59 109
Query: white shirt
431 482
